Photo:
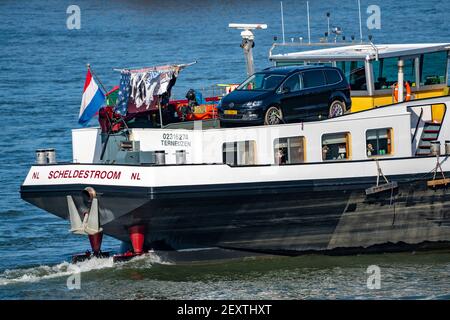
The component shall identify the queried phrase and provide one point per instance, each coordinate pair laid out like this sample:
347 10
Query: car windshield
262 81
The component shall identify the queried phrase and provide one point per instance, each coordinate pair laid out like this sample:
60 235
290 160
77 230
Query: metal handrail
417 125
318 44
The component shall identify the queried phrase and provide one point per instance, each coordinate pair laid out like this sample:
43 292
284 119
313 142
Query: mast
248 42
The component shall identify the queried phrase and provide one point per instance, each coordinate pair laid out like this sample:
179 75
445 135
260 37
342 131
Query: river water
42 66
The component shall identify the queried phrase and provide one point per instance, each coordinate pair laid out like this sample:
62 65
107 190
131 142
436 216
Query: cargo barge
373 180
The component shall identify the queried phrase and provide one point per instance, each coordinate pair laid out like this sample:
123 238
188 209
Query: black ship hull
282 218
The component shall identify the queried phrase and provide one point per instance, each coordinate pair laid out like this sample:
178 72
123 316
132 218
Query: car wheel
273 116
337 109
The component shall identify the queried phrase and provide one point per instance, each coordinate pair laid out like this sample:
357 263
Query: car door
291 96
334 86
316 94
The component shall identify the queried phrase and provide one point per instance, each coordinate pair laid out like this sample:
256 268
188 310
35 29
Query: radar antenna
248 42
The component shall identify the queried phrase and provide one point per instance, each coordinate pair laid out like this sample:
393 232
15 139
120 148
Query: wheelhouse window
355 72
289 150
289 63
262 81
433 68
386 72
302 63
239 153
379 142
336 146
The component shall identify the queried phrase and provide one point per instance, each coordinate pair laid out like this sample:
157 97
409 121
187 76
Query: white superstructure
406 122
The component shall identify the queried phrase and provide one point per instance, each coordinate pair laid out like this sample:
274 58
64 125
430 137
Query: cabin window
289 63
410 72
379 142
289 150
336 146
386 72
239 153
433 68
355 72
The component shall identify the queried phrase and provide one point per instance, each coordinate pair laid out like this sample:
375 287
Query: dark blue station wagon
287 94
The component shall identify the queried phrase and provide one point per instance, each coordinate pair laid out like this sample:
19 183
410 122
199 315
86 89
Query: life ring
407 91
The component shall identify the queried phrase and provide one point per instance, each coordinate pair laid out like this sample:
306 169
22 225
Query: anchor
90 226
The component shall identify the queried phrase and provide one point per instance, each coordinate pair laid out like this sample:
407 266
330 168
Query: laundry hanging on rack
144 89
124 93
146 85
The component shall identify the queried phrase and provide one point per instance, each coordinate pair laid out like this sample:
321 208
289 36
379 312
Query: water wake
66 269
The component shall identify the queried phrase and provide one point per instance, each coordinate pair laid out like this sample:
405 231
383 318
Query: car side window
293 83
333 76
313 78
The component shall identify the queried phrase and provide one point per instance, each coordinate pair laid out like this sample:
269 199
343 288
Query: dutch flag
91 101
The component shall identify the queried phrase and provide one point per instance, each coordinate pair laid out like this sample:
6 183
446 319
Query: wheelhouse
373 70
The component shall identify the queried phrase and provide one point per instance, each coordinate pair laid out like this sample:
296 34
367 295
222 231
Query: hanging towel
124 93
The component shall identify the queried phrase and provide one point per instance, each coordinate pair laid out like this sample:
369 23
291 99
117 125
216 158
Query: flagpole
97 78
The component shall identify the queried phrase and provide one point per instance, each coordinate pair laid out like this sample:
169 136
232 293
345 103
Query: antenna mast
309 25
328 24
282 21
248 42
360 21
